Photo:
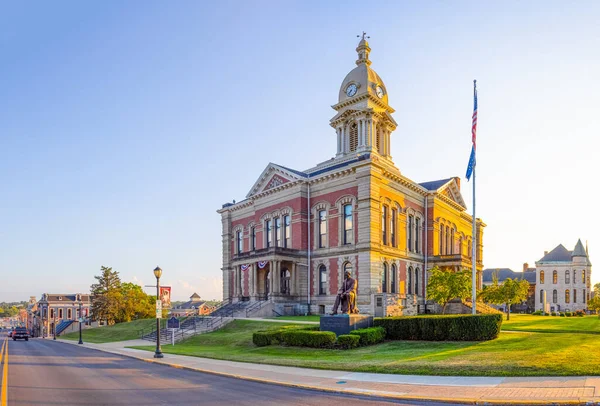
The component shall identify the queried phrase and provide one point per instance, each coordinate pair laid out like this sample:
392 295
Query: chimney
525 267
545 252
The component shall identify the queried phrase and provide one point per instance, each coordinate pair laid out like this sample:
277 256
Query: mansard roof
449 188
558 254
435 184
505 273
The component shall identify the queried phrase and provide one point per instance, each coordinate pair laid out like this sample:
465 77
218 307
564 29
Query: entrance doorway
285 281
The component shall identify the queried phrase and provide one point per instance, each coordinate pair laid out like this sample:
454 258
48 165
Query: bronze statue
346 296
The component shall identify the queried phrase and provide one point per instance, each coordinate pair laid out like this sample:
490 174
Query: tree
444 286
106 296
594 303
509 292
135 303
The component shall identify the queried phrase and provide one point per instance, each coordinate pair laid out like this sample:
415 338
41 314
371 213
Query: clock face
351 90
379 91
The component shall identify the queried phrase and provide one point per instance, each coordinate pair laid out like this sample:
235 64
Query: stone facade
296 232
565 277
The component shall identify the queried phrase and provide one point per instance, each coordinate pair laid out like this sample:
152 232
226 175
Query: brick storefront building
365 216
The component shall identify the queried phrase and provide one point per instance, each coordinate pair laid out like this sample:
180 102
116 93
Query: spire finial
364 35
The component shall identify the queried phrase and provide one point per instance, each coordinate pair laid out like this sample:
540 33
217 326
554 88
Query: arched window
417 233
442 240
239 241
394 281
384 278
347 224
253 238
322 228
384 230
287 231
554 277
417 281
393 228
574 295
574 276
554 296
411 220
268 233
322 280
567 276
452 241
584 296
348 268
447 240
409 280
541 295
353 137
541 276
583 276
567 296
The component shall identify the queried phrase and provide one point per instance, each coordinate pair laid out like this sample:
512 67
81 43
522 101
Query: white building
564 276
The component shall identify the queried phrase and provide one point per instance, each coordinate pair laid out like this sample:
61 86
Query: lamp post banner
158 309
165 296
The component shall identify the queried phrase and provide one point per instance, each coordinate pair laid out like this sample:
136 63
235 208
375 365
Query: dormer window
60 298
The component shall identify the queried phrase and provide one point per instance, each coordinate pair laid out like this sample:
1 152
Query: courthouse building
365 217
564 279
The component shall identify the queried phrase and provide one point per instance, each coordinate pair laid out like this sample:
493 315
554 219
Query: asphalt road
43 372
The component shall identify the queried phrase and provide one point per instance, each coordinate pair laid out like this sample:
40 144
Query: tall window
69 314
322 280
574 295
554 277
384 278
452 241
384 219
393 228
253 238
541 295
417 233
353 137
584 296
51 313
470 246
269 231
322 228
277 232
574 276
348 268
583 276
567 296
567 276
410 232
394 281
554 296
442 240
448 240
287 231
347 224
541 276
417 281
60 313
409 280
239 241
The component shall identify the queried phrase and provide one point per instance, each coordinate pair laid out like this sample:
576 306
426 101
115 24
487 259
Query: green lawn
117 332
314 317
552 324
512 354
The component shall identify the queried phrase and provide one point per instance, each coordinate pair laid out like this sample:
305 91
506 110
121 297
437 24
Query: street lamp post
54 328
80 320
158 353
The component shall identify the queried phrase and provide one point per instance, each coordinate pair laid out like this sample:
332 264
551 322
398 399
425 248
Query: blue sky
125 126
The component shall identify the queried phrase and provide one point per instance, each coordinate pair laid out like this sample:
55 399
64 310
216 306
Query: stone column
338 132
235 285
254 280
239 281
271 272
343 138
294 287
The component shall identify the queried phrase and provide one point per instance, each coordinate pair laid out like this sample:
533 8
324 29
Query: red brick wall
333 276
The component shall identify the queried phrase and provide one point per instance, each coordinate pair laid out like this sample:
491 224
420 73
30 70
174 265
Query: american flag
471 165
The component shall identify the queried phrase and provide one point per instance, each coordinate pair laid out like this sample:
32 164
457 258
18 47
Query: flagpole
474 245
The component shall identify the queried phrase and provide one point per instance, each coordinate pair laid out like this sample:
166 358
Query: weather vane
364 34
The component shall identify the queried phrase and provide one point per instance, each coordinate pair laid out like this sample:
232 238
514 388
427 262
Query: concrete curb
373 394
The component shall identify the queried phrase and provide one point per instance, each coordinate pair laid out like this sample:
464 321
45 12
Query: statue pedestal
344 323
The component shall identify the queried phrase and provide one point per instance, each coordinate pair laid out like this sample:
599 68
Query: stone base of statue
345 323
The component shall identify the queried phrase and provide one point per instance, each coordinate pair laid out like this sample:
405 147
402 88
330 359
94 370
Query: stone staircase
481 307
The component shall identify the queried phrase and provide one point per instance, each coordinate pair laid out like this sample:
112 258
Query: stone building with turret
563 279
290 240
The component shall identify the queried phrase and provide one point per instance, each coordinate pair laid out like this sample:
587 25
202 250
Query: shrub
369 336
442 328
561 314
348 341
537 313
547 314
553 313
264 338
307 338
579 313
568 314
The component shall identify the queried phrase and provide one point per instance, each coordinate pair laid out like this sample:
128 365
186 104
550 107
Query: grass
515 353
117 332
314 317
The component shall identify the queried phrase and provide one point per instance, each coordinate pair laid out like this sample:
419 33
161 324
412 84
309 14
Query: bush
369 336
348 341
537 313
269 337
561 314
307 338
568 314
553 313
547 314
579 313
442 328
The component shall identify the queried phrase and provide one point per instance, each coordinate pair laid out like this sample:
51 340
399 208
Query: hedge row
369 336
304 338
264 338
348 341
442 328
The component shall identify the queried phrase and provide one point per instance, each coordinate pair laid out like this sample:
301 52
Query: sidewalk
471 390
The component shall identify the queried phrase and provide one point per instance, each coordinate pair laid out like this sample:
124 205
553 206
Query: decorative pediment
274 176
451 190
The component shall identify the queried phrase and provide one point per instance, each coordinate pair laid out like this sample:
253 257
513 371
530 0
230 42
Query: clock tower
363 122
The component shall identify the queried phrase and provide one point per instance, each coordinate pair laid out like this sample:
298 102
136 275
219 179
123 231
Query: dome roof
363 77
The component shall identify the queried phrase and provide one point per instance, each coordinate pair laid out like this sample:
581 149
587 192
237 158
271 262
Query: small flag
471 165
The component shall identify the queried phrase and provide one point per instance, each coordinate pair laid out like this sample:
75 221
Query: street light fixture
80 319
157 273
54 327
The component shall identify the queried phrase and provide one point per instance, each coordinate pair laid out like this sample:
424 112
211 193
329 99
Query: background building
290 241
565 278
502 274
60 311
